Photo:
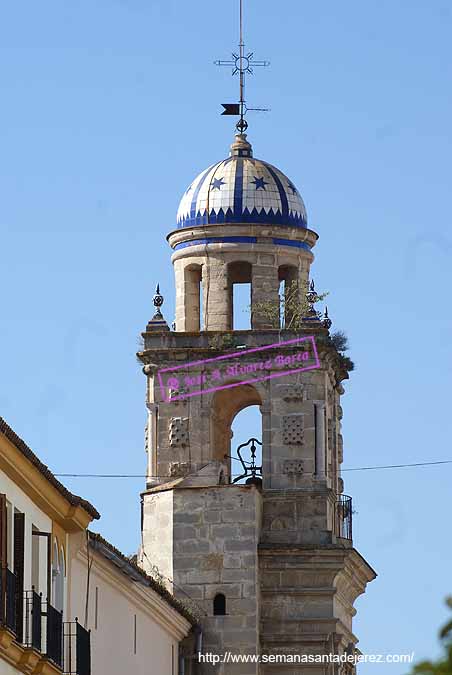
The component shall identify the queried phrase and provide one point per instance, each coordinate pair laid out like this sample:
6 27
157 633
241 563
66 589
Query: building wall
17 499
8 669
126 636
214 533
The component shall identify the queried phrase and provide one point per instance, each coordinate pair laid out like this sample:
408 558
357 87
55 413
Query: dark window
19 552
3 532
219 605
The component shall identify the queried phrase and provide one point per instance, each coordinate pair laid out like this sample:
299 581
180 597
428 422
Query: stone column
152 442
267 465
320 439
264 288
216 296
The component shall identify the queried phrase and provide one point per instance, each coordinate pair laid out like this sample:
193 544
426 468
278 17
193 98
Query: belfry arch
226 405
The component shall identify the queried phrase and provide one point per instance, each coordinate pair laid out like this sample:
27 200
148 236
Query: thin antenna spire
242 64
242 74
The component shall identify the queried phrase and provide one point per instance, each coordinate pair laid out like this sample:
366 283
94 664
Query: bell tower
266 559
268 563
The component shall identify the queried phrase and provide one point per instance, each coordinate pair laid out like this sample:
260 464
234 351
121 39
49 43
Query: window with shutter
3 554
19 553
3 531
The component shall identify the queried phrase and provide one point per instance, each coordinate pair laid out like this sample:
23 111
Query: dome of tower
241 189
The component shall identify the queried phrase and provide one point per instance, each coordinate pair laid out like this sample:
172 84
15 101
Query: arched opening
57 578
193 297
219 605
226 406
62 580
288 286
239 284
246 424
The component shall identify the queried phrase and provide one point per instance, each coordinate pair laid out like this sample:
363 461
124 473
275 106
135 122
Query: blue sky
109 109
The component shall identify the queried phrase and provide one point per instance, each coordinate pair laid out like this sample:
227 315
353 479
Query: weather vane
242 64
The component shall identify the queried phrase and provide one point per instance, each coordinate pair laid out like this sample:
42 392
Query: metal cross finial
242 64
157 301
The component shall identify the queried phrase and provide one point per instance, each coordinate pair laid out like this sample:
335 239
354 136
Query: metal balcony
343 517
32 635
77 649
8 600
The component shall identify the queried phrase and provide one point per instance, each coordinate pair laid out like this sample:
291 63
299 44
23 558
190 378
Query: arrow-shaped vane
231 109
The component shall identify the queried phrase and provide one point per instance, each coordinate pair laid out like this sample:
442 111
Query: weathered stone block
244 545
238 516
238 575
229 591
204 576
232 562
212 561
224 531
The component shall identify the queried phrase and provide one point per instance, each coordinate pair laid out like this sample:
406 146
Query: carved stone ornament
146 438
178 469
178 432
293 466
294 393
293 430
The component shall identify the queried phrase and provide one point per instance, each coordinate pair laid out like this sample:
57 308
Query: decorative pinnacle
311 296
157 301
157 323
326 319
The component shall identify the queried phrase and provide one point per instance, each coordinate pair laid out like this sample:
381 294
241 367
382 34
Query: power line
357 468
397 466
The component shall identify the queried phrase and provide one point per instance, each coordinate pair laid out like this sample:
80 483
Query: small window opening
219 605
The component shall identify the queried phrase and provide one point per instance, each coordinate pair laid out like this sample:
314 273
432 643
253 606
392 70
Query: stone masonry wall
216 534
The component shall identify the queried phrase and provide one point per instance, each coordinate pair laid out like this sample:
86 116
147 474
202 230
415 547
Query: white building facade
70 603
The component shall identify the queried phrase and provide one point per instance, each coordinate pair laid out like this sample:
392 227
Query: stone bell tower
269 563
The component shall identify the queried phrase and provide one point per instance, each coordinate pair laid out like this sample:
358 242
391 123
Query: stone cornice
24 659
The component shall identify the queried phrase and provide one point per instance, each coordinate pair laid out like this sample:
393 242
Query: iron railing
8 606
251 471
54 635
343 517
33 620
67 644
77 649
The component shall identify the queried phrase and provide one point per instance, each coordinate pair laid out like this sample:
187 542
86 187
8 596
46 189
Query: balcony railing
8 599
67 644
343 517
77 649
54 635
33 620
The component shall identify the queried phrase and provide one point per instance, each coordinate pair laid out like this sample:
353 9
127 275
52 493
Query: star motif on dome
260 183
217 183
292 187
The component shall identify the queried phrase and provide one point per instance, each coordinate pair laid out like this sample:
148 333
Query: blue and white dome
241 189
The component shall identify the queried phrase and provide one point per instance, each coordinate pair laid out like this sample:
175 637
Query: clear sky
109 109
